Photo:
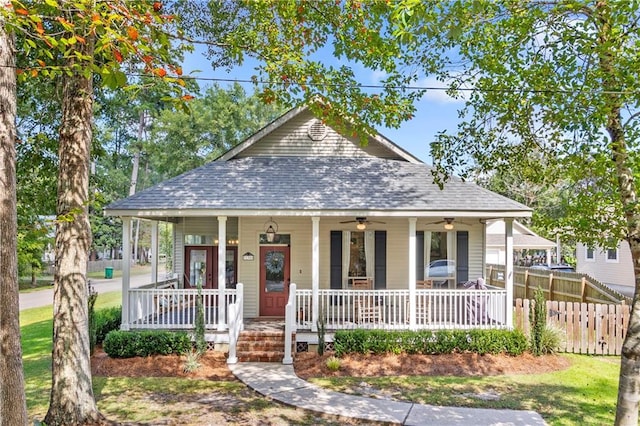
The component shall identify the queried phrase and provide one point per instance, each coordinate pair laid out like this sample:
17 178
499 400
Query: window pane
439 265
612 254
278 239
590 253
358 260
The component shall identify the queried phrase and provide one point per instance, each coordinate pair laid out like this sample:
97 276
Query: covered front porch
305 275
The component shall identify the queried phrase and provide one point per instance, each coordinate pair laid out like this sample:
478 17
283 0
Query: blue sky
434 113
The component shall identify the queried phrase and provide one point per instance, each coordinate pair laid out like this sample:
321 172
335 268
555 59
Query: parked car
552 268
440 268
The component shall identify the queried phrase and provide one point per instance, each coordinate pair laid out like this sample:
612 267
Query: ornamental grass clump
333 363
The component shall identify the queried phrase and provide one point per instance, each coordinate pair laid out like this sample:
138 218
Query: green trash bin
108 272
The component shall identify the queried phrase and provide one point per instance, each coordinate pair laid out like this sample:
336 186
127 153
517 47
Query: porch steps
260 346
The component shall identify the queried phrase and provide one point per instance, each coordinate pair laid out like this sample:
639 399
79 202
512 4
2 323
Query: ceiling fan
448 223
362 222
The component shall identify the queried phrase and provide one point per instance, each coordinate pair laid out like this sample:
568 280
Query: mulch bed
310 364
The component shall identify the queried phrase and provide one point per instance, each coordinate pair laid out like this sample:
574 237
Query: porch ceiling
313 185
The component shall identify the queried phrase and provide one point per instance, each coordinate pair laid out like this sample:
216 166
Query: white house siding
619 273
476 243
249 270
178 253
291 139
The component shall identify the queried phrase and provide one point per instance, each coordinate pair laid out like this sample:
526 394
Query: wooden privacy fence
586 328
559 286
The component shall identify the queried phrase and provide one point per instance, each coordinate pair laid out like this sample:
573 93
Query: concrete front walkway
279 382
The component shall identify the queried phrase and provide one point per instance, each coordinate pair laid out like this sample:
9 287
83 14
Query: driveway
44 297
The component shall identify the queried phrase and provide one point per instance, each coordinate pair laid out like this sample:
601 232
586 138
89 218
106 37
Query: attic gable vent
317 130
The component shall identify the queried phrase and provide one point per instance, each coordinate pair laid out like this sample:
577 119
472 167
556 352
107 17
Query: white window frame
606 253
588 258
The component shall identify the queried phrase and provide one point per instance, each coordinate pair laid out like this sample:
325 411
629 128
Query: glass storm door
274 280
200 266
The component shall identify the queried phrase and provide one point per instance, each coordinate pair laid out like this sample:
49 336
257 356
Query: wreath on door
274 262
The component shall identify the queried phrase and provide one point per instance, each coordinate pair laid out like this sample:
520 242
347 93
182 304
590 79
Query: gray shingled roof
318 183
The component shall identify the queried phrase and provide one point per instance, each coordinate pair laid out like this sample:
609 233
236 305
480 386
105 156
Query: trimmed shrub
511 342
127 344
107 320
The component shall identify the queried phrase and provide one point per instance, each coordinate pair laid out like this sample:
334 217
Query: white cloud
437 92
377 76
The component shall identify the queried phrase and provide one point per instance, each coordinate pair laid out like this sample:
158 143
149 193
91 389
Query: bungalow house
302 224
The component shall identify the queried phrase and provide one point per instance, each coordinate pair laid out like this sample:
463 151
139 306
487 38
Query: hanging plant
274 262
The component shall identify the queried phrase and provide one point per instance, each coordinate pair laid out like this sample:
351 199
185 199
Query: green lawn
583 394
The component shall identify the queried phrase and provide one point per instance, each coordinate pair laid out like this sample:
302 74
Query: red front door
274 280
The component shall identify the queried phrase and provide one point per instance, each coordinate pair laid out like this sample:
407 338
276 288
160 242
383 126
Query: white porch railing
170 308
289 324
236 323
389 309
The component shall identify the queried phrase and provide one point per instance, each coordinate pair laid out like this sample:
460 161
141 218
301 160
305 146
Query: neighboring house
609 266
352 226
523 239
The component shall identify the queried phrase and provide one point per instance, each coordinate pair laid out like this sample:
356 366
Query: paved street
44 297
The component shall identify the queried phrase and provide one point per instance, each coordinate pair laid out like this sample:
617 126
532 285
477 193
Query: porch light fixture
271 231
448 225
362 224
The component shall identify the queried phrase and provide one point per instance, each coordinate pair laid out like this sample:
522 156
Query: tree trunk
72 400
629 384
13 405
134 178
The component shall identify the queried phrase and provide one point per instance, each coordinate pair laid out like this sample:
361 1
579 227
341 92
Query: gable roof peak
295 112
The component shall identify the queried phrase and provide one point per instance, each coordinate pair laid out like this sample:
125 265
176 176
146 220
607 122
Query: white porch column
222 271
315 272
508 268
126 270
412 272
154 251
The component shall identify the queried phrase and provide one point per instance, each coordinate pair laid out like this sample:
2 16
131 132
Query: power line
371 86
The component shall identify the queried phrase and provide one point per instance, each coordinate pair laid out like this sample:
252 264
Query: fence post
583 290
551 286
526 284
490 274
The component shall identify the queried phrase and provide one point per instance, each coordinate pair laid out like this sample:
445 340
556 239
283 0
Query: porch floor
264 324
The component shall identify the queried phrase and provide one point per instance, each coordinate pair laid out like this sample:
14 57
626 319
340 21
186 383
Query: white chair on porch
422 304
367 309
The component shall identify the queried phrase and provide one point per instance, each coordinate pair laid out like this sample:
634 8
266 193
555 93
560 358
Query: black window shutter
462 255
335 261
420 255
380 278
